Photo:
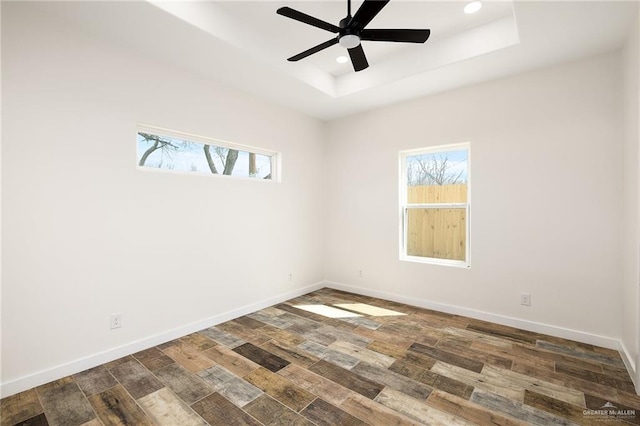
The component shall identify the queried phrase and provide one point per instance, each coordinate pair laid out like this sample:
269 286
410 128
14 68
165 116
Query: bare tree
159 143
433 170
167 146
253 171
232 157
228 158
210 162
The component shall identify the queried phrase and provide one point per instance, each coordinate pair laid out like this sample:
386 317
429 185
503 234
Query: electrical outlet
290 276
360 273
116 321
525 299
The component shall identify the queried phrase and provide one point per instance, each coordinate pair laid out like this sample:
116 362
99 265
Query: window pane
437 177
163 152
439 233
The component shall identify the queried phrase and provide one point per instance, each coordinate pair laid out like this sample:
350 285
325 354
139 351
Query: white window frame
405 206
276 157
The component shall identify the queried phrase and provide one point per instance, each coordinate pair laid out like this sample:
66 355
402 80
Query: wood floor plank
407 369
321 413
517 409
231 360
38 420
534 355
452 386
183 383
280 389
477 380
247 334
216 410
165 409
389 349
590 375
471 353
222 337
270 319
363 354
136 379
363 322
198 340
323 352
448 357
469 411
95 380
478 337
570 382
373 413
418 359
391 338
580 353
327 335
621 377
316 384
232 387
153 358
189 357
271 413
284 336
504 332
560 408
347 379
290 352
20 407
500 376
248 322
393 380
260 356
300 312
115 407
417 409
66 405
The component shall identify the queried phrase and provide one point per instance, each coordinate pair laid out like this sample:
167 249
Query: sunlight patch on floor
363 308
327 311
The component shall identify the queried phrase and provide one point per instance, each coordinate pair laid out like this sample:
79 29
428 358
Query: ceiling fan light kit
349 41
351 31
473 7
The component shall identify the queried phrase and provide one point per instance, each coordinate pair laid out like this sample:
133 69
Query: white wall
545 199
630 228
87 234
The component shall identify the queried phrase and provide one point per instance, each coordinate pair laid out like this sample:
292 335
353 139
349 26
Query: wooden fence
440 232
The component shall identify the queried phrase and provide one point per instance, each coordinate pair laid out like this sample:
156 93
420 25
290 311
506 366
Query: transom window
434 205
180 152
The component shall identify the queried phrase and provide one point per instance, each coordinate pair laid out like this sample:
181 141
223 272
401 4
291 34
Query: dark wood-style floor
286 366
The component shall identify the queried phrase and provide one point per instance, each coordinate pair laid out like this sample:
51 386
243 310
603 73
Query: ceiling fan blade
313 50
397 35
358 59
368 11
307 19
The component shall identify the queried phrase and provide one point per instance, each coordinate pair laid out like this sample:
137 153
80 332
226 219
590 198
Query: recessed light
342 59
473 7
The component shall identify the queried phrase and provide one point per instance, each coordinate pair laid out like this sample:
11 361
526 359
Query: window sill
434 261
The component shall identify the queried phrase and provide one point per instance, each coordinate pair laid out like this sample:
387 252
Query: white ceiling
245 44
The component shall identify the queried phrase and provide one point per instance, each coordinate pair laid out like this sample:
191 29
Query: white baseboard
73 367
630 364
536 327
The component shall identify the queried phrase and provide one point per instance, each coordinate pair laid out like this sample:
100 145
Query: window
434 205
180 152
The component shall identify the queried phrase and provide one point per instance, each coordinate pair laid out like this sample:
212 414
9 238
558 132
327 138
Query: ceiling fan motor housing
351 31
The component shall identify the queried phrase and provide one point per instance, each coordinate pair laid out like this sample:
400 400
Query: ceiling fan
351 30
